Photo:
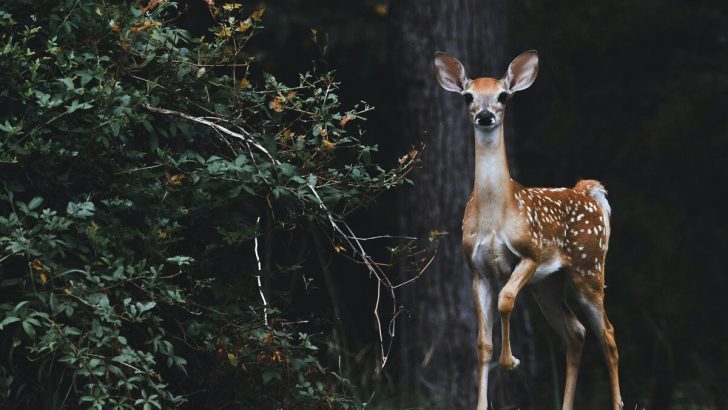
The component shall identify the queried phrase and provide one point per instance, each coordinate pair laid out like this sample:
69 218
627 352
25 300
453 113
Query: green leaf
115 128
20 305
76 105
270 374
67 82
81 210
29 330
35 202
104 302
8 320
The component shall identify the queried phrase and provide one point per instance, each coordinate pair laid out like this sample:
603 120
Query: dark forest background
634 94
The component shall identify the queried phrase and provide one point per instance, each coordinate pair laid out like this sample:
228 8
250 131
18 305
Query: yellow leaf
328 144
408 156
175 179
244 25
257 14
287 134
339 249
43 277
244 83
436 234
231 6
347 118
232 359
224 32
144 26
37 265
277 357
162 234
381 9
151 5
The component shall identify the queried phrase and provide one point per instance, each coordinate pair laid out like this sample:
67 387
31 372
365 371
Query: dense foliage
146 179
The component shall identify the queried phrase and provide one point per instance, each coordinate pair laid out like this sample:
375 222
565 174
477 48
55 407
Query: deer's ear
522 72
449 72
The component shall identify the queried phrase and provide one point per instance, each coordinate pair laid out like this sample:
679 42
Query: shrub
139 167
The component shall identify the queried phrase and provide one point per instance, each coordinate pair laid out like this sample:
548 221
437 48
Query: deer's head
486 97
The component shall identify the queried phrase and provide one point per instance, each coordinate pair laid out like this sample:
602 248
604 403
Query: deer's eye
468 98
502 97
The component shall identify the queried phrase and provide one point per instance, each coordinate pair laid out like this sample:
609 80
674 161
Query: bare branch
374 270
204 120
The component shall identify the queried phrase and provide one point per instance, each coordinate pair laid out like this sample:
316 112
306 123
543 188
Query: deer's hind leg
589 291
550 296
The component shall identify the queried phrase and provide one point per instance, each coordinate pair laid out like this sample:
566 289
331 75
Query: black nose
485 118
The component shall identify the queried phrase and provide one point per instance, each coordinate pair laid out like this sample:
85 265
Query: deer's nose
485 117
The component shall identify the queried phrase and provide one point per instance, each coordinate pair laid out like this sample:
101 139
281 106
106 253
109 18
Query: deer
514 236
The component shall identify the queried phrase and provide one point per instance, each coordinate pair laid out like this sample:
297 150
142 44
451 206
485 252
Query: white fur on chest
491 255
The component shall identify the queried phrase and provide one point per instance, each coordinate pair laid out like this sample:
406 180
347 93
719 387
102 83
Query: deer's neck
493 188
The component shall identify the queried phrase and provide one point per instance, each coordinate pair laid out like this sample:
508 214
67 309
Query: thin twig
260 286
382 237
374 270
137 169
422 270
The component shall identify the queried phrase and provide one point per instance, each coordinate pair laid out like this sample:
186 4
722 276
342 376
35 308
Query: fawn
513 236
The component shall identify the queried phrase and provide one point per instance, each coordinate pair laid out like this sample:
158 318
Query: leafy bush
139 167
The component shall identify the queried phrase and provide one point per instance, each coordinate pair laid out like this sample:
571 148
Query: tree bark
437 336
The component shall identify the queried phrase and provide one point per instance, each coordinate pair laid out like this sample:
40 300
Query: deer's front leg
506 299
485 311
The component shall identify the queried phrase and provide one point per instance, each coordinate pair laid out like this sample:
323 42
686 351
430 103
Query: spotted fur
572 222
514 235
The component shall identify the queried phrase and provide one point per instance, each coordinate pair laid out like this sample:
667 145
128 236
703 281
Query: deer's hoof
509 363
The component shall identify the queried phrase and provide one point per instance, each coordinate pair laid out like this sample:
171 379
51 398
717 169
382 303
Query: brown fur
537 230
485 85
571 221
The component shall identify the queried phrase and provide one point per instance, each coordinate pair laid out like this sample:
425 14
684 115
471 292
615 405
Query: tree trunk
437 336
